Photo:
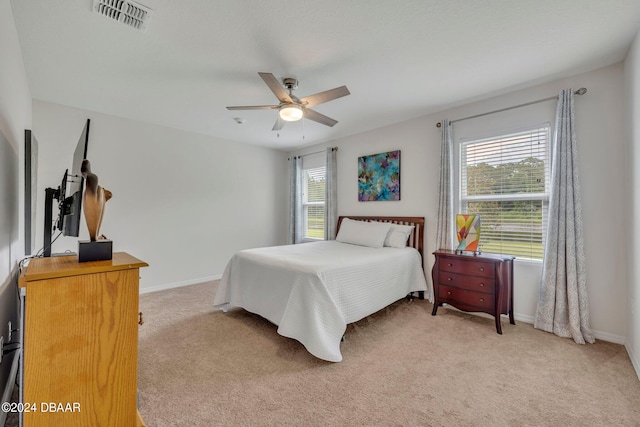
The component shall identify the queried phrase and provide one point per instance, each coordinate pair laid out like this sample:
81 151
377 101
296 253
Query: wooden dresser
80 341
481 283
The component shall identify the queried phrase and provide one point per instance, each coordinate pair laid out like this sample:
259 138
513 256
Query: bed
312 291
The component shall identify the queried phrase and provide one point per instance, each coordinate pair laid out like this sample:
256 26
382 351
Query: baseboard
8 388
523 318
147 290
604 336
634 360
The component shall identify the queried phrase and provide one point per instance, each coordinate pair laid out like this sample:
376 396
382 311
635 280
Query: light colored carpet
401 367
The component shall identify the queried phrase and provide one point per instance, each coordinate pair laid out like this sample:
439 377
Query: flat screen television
75 182
69 196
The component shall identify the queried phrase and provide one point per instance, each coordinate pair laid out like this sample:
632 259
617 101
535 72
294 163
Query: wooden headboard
416 239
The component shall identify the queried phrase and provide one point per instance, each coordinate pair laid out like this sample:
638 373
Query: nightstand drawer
475 268
471 283
465 298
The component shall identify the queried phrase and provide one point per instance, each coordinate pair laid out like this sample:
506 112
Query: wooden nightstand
481 283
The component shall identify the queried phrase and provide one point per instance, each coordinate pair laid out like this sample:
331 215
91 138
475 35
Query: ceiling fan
292 108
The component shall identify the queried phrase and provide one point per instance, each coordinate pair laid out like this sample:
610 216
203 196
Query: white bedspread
313 290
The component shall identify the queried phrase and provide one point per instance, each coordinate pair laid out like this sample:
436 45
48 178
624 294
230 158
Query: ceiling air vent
126 11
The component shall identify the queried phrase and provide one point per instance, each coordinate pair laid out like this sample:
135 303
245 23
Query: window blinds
505 180
313 201
314 175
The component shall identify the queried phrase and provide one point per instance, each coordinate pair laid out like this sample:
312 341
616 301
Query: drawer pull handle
449 265
482 285
448 292
481 299
449 278
481 268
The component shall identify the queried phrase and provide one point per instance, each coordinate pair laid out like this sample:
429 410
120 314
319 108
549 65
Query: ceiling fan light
291 113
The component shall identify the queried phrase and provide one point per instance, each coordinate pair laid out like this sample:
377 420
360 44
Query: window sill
528 261
311 239
520 260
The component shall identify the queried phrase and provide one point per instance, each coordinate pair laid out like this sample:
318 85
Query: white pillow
398 235
372 234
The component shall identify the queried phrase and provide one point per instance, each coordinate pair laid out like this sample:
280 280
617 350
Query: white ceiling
399 58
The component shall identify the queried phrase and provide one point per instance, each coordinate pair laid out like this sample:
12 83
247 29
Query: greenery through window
505 180
313 202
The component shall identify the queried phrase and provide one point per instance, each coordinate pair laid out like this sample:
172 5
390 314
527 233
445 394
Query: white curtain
444 235
295 200
331 196
563 305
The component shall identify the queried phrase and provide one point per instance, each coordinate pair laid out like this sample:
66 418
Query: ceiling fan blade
276 87
295 99
326 96
254 107
279 124
317 117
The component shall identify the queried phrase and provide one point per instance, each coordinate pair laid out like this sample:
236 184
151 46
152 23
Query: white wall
601 140
632 86
182 202
15 117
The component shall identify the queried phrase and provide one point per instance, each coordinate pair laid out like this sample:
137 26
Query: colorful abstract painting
468 232
379 177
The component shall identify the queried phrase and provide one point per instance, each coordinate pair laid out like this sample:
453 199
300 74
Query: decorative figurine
95 197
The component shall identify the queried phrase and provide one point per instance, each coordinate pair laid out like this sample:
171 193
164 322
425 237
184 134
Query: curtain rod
580 91
316 152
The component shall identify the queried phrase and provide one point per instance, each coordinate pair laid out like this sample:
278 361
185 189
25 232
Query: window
505 179
313 192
